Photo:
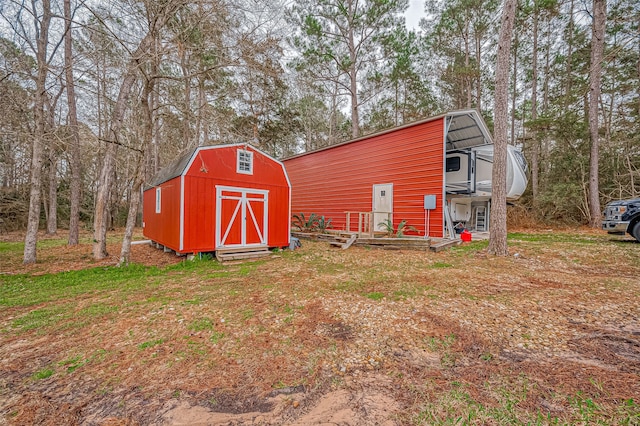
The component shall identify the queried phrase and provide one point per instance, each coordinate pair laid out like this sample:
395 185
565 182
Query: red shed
397 174
215 197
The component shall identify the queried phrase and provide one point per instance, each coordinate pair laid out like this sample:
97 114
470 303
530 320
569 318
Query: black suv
622 216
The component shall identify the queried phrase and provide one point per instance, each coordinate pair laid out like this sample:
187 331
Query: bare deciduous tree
42 41
138 58
535 152
76 184
595 77
146 101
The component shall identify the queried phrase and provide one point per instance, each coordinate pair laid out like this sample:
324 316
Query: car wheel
636 231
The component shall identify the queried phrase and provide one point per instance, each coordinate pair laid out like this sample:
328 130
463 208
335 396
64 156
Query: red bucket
465 236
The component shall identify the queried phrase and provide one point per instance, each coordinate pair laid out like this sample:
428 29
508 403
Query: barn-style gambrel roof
173 169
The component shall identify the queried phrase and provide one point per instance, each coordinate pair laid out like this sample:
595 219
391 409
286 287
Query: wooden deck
342 238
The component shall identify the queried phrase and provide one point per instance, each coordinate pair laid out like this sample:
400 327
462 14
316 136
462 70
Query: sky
414 13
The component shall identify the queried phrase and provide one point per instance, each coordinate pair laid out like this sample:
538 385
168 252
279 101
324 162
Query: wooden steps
344 243
444 244
242 253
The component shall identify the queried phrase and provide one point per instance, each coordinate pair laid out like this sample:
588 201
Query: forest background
96 97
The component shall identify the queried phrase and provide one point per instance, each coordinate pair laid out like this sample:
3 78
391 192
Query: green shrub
399 232
306 224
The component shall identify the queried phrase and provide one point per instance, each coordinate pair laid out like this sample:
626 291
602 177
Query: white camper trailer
468 174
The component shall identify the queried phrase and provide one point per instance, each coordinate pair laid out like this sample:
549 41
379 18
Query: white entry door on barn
241 217
382 204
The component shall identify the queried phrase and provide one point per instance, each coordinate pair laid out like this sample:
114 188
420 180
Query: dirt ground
322 336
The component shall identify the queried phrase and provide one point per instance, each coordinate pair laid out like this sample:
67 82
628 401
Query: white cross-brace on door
242 217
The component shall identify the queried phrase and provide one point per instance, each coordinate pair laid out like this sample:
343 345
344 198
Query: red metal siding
341 178
163 227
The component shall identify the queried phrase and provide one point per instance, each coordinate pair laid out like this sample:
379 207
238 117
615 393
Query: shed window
158 199
453 164
245 162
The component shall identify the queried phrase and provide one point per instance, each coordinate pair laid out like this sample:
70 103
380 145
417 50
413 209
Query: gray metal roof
173 169
466 129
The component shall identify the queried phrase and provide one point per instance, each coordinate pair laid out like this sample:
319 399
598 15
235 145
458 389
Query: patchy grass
469 248
438 265
549 336
376 295
73 363
150 344
25 290
458 406
556 237
40 318
42 374
201 324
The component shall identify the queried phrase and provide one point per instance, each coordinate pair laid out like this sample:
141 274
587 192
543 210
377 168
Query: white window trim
246 153
158 199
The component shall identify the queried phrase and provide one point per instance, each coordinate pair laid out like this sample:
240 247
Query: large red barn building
219 197
397 174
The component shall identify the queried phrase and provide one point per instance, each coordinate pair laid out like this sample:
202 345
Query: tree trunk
638 72
134 206
515 88
632 173
186 124
353 79
395 103
498 220
155 148
153 157
355 116
101 217
75 184
543 165
595 76
568 69
479 73
333 120
535 153
31 236
147 101
52 218
202 102
134 202
45 206
467 74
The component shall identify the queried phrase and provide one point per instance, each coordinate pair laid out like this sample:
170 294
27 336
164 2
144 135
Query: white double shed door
242 217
